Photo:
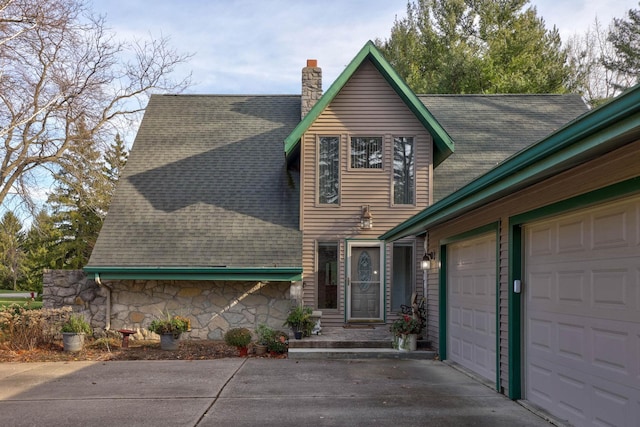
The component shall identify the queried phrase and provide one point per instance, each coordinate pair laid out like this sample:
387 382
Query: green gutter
593 130
289 274
443 144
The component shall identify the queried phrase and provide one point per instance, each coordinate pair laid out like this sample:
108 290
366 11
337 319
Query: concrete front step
298 353
351 344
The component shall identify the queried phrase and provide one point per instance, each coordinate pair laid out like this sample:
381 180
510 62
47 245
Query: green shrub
76 324
265 334
279 343
174 325
238 337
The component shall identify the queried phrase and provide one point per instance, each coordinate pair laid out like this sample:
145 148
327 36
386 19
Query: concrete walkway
251 392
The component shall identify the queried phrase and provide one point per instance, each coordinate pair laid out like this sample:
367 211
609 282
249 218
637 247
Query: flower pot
72 341
297 335
260 349
244 351
407 342
169 342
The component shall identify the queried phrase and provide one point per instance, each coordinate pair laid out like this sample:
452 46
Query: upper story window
403 171
329 170
366 152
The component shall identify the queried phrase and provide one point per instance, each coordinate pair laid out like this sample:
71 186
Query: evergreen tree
80 201
476 46
11 250
42 251
625 36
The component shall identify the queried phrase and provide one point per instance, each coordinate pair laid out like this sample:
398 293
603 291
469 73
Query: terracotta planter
244 351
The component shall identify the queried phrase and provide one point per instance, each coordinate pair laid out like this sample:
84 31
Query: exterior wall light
366 219
425 264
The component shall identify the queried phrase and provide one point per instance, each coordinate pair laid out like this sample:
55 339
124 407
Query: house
233 208
536 281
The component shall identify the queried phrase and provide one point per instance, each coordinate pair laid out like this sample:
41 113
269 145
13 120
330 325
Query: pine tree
80 201
12 254
625 36
470 46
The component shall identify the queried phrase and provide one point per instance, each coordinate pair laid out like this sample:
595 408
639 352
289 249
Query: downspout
108 304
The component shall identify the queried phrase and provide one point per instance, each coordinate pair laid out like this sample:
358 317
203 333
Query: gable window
403 171
366 152
328 275
329 170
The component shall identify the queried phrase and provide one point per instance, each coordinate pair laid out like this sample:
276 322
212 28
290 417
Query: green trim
184 273
514 332
585 138
442 303
498 376
516 264
443 144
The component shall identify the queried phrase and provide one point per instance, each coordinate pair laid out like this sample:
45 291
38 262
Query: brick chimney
311 86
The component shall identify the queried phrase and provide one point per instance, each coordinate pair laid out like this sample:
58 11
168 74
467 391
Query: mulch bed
101 350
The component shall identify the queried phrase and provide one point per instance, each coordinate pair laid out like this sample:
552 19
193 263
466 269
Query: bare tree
587 54
63 79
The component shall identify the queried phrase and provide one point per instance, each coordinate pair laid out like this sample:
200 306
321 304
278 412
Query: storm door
365 293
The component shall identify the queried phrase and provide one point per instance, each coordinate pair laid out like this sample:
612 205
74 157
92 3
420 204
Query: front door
364 282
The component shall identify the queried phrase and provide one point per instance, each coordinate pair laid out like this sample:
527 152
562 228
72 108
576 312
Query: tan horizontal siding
366 106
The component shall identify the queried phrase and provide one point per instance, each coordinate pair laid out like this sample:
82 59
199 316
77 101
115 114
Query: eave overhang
443 144
255 274
596 132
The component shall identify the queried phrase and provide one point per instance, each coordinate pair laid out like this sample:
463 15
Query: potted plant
73 332
299 320
240 338
265 334
405 333
169 328
278 344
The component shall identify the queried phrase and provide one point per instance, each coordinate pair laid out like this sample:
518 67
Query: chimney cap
312 63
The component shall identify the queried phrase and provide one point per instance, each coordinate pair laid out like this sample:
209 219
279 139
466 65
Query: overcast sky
260 46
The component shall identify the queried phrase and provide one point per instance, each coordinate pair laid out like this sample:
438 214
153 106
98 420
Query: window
366 152
403 171
329 170
403 278
327 275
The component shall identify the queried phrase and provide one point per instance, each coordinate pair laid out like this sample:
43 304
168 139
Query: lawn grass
22 301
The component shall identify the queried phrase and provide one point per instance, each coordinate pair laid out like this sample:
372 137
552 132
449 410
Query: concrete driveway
251 392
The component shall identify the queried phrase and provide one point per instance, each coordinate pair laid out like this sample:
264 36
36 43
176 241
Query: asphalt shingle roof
487 129
206 185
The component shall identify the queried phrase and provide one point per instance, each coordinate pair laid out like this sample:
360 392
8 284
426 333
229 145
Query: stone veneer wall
213 307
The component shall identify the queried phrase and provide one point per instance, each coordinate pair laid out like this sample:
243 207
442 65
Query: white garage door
471 284
582 315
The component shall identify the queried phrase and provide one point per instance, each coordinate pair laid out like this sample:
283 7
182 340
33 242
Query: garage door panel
582 315
471 283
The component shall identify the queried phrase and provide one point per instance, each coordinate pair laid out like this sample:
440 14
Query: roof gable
443 144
